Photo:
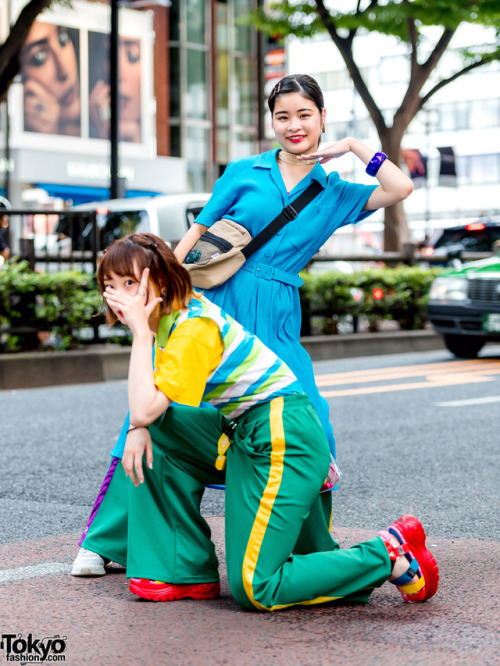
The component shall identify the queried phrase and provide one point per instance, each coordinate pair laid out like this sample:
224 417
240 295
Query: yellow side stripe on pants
265 509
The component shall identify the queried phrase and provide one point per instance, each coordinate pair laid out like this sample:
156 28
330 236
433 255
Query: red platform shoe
410 533
155 590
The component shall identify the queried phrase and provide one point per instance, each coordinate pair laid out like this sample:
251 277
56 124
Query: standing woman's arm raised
394 184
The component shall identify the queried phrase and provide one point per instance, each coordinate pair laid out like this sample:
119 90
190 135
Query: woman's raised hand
324 155
134 309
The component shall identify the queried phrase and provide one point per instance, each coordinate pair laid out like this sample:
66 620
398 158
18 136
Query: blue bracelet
375 163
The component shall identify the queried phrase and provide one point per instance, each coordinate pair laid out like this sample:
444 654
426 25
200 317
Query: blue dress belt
266 272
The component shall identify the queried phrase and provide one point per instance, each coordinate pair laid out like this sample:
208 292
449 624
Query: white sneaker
88 563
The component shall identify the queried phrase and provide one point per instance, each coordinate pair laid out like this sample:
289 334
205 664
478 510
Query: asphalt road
416 433
401 447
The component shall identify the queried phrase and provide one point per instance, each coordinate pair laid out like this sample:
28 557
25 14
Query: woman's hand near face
330 152
99 108
41 109
134 310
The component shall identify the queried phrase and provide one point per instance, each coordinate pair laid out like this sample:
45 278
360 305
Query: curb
328 348
104 363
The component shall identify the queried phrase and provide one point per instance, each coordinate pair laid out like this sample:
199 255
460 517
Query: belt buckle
265 272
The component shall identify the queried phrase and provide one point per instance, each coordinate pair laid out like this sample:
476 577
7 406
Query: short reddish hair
145 250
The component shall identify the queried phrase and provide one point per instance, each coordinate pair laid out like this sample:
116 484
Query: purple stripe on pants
100 497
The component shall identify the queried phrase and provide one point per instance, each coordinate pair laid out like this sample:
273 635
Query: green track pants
275 468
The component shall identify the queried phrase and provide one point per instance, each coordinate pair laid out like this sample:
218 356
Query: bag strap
288 214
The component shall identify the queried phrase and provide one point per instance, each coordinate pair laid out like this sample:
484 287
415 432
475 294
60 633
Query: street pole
427 188
114 101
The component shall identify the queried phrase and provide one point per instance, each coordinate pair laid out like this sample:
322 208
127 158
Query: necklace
290 158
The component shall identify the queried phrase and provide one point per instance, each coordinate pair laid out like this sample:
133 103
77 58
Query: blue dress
264 294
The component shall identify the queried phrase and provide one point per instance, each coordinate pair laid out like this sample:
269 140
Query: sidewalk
103 622
102 363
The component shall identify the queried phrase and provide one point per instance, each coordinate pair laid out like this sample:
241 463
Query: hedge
399 294
62 302
65 302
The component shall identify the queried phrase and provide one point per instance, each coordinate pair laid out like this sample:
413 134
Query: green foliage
334 295
406 21
388 17
62 303
65 302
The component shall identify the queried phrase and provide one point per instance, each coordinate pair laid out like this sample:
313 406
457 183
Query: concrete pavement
105 624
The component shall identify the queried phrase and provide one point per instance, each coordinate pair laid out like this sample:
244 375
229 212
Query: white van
168 216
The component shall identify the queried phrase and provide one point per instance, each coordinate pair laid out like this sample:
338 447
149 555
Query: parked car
168 216
479 236
464 306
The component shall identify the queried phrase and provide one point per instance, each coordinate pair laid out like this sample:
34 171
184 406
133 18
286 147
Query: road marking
34 571
470 401
431 374
361 376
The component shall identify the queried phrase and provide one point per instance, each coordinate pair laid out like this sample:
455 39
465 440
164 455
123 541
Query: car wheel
464 346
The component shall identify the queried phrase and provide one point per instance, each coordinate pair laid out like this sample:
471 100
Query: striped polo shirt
249 373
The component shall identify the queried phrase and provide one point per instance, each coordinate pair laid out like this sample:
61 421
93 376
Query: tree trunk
396 231
10 61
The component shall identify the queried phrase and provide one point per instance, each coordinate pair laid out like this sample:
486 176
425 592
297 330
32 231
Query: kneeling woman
253 441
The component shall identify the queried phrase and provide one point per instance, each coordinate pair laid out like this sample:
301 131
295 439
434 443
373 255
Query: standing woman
264 294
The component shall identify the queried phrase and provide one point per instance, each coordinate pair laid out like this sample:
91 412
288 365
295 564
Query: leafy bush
399 294
62 302
66 302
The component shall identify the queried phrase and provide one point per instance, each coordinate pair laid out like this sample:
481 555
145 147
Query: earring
323 128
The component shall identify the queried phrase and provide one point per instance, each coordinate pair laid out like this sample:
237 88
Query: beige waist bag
225 247
217 255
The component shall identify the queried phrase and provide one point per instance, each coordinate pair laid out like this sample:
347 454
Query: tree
406 21
10 50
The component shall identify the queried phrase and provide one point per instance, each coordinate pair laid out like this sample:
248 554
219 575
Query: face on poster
50 71
129 87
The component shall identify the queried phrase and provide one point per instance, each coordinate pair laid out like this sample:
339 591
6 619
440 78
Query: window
195 21
196 98
244 97
479 169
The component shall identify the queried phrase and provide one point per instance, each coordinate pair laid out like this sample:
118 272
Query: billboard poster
64 88
50 71
129 87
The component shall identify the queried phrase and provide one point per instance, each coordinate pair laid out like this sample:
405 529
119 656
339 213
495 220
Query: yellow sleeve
191 354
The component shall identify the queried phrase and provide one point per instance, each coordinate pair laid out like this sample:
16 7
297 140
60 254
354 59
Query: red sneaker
410 533
158 591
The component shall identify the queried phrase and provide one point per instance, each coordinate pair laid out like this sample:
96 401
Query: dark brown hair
140 251
303 84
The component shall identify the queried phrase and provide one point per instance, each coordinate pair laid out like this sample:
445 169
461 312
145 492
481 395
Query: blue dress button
268 254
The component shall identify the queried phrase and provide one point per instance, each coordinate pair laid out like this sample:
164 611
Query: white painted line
470 401
34 571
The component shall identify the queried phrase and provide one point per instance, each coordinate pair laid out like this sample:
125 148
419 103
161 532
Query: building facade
189 96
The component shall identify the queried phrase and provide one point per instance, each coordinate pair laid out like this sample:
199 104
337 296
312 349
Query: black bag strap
288 214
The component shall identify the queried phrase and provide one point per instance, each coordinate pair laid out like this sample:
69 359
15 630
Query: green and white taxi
464 306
